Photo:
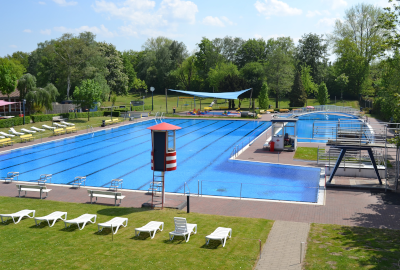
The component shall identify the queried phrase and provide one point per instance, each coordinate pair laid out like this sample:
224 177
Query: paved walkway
282 249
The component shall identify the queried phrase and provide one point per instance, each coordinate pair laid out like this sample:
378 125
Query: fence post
301 251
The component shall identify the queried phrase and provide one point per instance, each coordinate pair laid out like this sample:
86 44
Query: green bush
73 115
115 114
15 121
43 117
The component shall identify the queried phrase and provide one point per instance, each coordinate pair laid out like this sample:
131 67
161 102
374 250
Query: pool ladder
91 129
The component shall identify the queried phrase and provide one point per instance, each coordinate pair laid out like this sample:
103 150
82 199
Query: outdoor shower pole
166 101
23 102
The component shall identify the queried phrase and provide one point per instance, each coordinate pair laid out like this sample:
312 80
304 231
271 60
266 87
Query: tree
186 72
312 51
309 86
72 52
39 98
87 95
217 74
117 80
298 95
342 80
25 84
10 71
323 95
232 83
280 65
263 100
227 47
21 57
253 50
390 22
206 58
255 76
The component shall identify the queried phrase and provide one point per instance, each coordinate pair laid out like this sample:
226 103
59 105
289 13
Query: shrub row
15 121
115 114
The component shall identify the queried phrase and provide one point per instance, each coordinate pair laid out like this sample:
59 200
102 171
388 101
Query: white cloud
184 10
213 21
28 31
326 22
226 20
103 31
64 3
257 36
13 46
45 32
317 13
145 18
42 3
334 4
276 7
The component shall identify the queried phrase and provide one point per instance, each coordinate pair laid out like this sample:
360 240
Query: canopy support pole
251 94
166 101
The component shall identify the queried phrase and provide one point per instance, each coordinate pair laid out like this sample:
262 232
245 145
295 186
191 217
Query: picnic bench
70 129
58 131
58 119
6 141
106 194
27 137
35 188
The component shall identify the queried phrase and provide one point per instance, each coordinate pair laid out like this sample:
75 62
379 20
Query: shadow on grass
39 226
121 211
212 244
142 236
5 223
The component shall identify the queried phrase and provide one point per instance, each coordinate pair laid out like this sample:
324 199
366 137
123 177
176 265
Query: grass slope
27 246
342 247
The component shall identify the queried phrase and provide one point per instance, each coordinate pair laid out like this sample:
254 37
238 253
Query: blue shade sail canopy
225 95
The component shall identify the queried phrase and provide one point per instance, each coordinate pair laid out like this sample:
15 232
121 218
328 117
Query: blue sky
128 23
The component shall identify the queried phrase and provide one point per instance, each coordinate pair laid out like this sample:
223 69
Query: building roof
14 94
164 126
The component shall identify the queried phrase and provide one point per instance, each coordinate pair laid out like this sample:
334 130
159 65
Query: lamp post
152 90
23 103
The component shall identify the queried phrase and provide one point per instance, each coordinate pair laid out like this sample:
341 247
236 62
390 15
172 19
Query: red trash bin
271 146
21 115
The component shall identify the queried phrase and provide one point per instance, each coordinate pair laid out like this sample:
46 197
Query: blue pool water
203 151
326 123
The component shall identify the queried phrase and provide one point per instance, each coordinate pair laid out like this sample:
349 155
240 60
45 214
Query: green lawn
27 246
307 153
160 102
342 247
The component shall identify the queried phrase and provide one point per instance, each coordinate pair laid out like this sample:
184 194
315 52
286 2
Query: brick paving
282 249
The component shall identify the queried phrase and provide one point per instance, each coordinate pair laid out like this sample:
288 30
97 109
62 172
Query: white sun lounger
53 216
14 132
37 129
150 227
182 228
220 234
113 223
27 130
59 125
7 135
19 215
48 127
85 218
68 124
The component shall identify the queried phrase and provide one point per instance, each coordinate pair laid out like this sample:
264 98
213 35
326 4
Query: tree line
365 43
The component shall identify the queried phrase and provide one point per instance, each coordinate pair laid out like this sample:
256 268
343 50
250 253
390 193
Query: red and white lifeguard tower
163 155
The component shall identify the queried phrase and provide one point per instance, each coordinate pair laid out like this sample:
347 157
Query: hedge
43 117
115 114
15 121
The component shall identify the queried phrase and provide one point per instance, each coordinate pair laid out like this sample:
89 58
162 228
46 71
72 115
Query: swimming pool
203 151
325 123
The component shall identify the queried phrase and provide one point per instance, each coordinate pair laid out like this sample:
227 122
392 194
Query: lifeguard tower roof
286 120
164 126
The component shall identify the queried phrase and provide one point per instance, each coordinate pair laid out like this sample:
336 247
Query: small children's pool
203 152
